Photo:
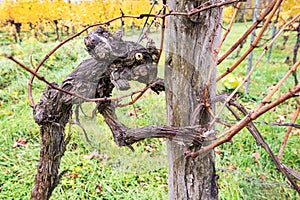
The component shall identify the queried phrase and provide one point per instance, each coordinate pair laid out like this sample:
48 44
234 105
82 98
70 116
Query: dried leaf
232 166
262 177
256 156
149 149
152 144
20 142
73 175
99 189
133 112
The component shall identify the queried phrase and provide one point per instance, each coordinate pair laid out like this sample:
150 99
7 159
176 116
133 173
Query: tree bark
190 43
52 114
52 118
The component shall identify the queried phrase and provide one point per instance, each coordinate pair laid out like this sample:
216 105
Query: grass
118 173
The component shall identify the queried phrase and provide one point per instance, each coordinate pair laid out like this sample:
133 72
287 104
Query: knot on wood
127 60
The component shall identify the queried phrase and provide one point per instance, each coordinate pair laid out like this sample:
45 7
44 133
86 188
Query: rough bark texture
53 142
189 42
126 137
52 113
114 63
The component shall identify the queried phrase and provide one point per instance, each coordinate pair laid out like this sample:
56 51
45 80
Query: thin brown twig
200 107
163 27
216 53
288 132
254 43
140 94
228 29
260 140
249 31
293 68
203 4
231 132
213 63
292 172
254 131
189 14
220 121
276 87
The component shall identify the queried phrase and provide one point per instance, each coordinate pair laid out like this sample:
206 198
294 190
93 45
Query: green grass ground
118 173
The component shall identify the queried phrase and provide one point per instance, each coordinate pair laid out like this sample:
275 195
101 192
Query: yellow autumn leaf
231 82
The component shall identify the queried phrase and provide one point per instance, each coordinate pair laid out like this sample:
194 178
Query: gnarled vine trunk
112 65
190 43
52 117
